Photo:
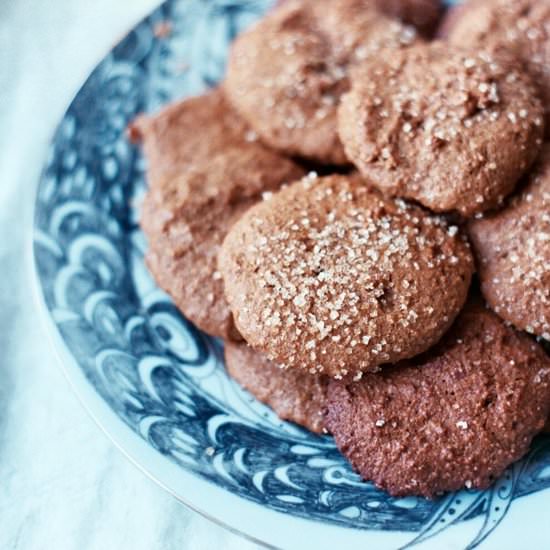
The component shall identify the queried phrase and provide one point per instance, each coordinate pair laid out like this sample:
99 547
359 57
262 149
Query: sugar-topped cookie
331 277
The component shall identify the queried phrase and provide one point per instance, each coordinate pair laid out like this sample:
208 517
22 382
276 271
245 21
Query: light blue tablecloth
63 485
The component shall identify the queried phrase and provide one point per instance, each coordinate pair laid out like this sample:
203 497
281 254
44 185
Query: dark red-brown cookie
451 129
294 395
286 74
330 277
205 168
454 418
512 247
519 27
424 15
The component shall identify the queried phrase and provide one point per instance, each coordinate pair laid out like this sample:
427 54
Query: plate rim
143 457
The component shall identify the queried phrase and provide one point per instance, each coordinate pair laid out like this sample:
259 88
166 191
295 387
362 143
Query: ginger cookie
286 74
331 277
512 248
205 168
520 28
424 15
455 417
451 129
294 395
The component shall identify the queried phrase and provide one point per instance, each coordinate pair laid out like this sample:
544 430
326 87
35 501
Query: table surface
63 485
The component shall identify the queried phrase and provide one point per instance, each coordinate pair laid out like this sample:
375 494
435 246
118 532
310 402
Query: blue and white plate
157 385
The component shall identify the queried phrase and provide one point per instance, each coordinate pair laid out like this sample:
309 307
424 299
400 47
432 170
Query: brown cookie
286 74
512 248
294 395
331 277
451 129
424 15
205 168
518 27
454 418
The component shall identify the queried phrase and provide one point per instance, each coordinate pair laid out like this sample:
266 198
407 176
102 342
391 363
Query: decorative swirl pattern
155 370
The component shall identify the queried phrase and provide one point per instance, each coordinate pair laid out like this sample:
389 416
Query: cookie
286 74
451 129
424 15
519 27
205 168
330 277
294 395
512 248
457 417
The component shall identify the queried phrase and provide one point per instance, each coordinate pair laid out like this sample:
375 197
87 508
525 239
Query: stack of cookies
325 212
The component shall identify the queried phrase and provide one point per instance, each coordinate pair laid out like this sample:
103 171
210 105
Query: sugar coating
286 75
453 129
520 28
331 277
513 254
